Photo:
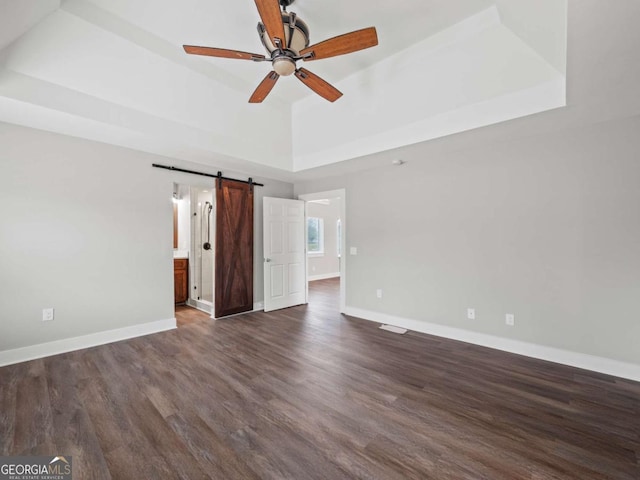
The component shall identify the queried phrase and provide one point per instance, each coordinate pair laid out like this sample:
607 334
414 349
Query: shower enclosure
202 247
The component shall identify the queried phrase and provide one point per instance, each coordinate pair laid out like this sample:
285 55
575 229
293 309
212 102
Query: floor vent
391 328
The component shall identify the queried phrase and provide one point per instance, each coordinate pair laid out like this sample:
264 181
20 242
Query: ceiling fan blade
342 44
318 85
271 16
264 88
223 53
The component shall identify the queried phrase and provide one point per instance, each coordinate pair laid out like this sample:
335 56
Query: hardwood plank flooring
306 393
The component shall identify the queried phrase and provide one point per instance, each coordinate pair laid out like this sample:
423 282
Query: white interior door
285 275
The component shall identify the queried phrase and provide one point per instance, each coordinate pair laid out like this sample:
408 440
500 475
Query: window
315 236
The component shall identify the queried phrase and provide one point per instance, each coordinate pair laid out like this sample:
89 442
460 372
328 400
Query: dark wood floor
306 393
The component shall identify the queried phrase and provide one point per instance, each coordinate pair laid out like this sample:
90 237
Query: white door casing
285 276
342 195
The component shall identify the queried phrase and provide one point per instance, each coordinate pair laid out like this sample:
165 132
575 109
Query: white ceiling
400 23
114 71
17 17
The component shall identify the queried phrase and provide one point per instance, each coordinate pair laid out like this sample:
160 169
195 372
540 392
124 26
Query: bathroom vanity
181 280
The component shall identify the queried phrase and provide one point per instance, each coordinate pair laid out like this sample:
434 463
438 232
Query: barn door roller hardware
218 175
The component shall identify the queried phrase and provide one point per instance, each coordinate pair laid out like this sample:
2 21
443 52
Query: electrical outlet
379 293
471 313
510 319
47 314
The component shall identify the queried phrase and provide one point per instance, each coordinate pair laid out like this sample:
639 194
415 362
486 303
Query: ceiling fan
286 38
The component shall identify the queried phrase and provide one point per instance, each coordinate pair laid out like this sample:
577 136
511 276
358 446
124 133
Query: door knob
267 259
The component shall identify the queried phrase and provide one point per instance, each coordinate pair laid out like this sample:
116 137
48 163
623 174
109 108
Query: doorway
325 225
193 253
217 247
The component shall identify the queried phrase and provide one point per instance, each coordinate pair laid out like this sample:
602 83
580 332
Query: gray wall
87 229
545 227
329 262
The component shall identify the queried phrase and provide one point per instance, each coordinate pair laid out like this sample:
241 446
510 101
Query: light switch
353 251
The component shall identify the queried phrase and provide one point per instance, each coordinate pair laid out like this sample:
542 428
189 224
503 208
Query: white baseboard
607 366
32 352
323 276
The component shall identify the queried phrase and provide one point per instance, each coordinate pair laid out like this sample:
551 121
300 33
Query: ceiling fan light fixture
284 66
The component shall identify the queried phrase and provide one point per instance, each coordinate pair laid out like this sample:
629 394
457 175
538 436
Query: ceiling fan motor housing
296 38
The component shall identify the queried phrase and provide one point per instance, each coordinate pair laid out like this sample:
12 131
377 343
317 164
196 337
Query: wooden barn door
234 248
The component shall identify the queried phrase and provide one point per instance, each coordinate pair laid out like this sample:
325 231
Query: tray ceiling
114 71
